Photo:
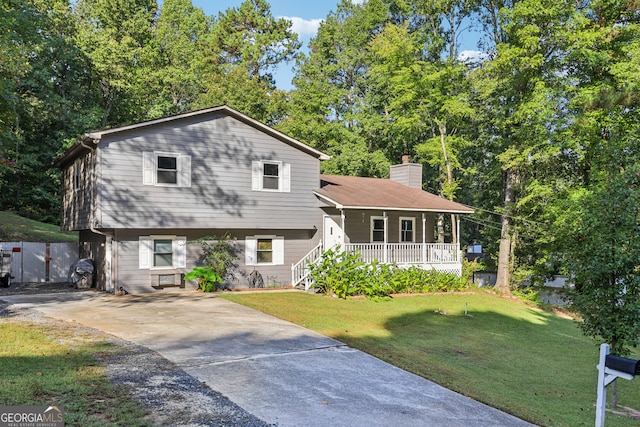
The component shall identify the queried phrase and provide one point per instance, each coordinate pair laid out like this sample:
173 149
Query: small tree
218 257
602 249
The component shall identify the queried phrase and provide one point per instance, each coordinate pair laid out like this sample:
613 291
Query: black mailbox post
622 364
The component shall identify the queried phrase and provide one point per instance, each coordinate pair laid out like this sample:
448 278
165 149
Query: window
268 175
162 252
377 229
166 169
76 174
407 226
264 250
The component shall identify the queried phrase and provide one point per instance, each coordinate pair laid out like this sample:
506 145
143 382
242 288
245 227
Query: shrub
218 257
343 275
208 280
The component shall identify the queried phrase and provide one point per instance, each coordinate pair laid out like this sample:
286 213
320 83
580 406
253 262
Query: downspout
92 220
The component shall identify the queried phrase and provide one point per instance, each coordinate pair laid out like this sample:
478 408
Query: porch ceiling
351 192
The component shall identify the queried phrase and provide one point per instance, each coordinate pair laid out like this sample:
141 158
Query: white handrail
300 270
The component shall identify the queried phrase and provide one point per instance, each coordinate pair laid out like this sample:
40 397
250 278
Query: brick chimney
409 174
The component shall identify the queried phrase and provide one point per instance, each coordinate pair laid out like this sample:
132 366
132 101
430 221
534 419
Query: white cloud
472 56
303 27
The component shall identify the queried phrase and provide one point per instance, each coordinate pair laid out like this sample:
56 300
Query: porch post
458 238
424 238
342 222
385 219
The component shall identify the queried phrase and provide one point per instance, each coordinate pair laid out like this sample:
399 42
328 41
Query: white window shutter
256 175
180 252
184 177
145 252
278 250
286 177
250 250
148 167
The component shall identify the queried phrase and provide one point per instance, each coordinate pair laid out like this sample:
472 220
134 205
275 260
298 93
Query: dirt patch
172 396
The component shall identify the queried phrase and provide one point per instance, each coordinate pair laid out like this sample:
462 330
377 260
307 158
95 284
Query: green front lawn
515 357
37 369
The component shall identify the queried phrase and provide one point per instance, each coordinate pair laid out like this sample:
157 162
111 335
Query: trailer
6 259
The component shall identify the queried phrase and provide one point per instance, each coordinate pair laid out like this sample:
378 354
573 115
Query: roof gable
352 192
92 139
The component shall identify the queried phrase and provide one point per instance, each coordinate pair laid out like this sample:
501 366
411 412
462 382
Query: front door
333 234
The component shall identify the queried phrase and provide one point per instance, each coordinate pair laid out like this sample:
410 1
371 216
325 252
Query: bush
343 275
218 256
208 280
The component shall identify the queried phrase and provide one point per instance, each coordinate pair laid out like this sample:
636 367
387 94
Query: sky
305 17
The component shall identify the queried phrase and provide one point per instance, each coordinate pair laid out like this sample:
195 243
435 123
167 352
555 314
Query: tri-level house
141 195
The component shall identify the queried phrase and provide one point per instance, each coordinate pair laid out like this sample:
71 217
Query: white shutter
278 250
256 175
250 250
148 167
286 177
145 252
184 177
180 252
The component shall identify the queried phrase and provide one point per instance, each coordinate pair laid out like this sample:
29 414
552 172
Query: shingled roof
352 192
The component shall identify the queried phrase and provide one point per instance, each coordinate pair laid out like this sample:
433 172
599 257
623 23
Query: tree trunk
506 243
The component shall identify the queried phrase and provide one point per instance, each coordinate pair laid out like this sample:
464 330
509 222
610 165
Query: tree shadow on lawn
533 364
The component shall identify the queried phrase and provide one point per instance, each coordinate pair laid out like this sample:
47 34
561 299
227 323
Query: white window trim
413 229
145 253
371 229
150 168
251 250
284 176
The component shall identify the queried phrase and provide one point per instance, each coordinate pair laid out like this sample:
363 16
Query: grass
14 228
37 369
512 356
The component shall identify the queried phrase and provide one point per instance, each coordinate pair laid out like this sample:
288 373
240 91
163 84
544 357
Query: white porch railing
406 253
300 270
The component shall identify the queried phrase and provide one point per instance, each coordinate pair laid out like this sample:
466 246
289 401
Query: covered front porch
390 221
393 237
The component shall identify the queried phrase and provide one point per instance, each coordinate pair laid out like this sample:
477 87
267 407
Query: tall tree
520 92
174 71
243 49
113 33
599 230
51 97
327 107
425 104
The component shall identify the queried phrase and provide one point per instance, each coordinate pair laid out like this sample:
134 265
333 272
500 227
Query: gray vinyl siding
358 225
77 202
222 149
135 280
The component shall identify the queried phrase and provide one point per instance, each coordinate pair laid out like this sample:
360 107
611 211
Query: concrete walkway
282 373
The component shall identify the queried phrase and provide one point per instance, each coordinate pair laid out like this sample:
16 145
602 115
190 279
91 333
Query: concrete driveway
280 372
